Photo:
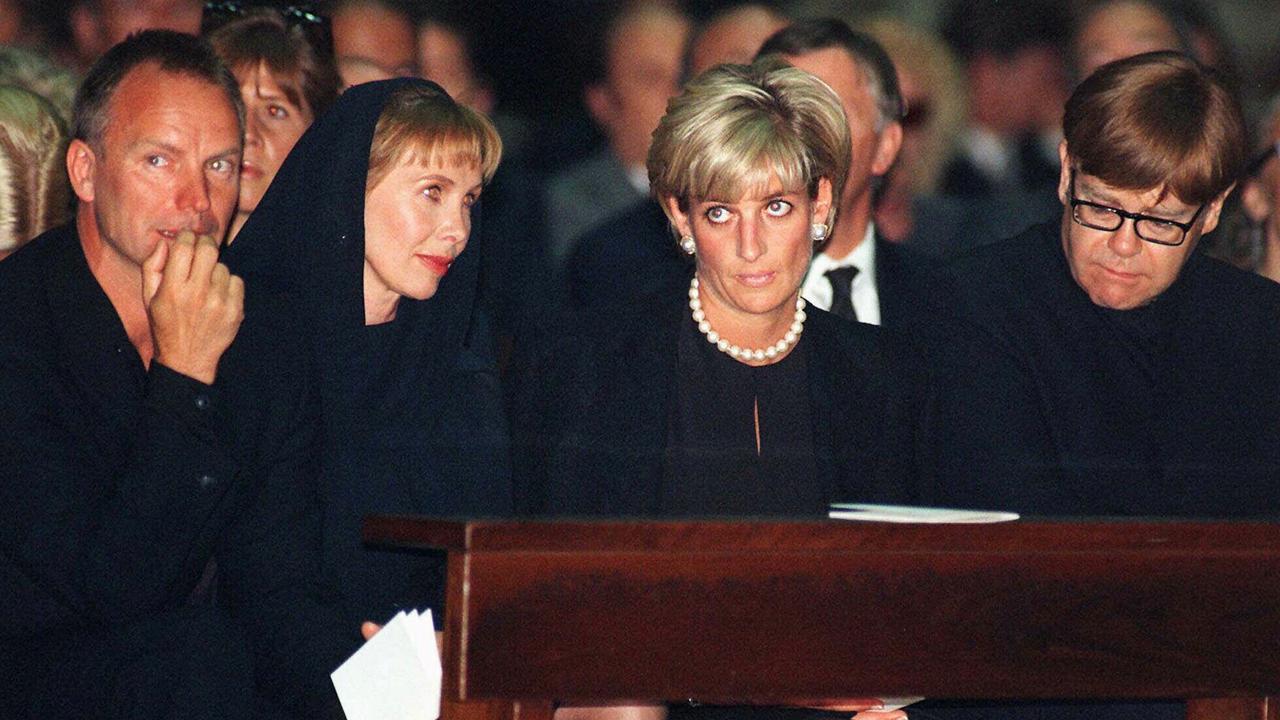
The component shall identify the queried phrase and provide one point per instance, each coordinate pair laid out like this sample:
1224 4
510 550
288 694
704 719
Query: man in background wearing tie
856 275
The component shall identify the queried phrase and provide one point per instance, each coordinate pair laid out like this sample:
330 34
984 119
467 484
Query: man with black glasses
1101 365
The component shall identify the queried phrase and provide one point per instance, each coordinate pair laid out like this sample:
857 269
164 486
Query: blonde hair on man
34 190
736 126
423 124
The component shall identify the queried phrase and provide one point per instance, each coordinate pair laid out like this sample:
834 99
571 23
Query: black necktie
841 280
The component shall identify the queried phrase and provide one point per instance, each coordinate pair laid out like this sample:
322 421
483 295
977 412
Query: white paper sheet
395 674
912 514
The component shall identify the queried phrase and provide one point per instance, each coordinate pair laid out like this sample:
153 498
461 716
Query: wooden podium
775 613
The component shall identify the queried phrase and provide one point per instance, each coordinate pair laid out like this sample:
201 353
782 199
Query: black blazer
591 404
903 280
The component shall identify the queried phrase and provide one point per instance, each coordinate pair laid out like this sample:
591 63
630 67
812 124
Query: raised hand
194 304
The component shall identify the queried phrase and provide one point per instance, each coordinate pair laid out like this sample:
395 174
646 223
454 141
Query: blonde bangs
424 126
725 172
737 128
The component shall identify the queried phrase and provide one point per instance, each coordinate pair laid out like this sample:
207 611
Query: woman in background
34 190
283 61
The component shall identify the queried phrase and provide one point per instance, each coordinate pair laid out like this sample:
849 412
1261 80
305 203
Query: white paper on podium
395 674
912 514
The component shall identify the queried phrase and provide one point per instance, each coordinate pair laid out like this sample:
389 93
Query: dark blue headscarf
412 410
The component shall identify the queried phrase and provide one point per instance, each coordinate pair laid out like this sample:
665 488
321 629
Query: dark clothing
904 278
593 407
712 435
411 411
1050 405
120 484
630 256
1057 406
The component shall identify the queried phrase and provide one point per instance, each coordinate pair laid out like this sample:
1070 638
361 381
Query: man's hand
195 305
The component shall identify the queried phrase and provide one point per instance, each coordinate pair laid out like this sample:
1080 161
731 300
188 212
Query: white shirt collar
866 298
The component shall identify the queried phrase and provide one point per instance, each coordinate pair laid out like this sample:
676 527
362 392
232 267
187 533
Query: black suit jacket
592 403
630 256
904 279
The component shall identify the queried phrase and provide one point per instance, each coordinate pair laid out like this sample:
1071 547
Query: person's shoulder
1032 244
856 343
1224 275
24 275
1244 300
30 261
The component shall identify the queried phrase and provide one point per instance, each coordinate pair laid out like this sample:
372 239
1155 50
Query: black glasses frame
1137 218
219 12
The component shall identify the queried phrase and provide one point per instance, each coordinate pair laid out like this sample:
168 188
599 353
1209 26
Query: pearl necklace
773 352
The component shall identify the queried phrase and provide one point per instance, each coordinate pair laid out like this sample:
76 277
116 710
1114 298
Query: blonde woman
727 395
34 190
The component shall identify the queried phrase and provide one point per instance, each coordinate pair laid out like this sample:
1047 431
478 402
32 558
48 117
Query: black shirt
712 463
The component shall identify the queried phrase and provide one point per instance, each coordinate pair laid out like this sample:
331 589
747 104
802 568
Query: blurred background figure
34 190
1014 61
632 254
933 91
636 70
283 61
445 58
1114 29
35 73
98 24
732 35
372 40
1250 235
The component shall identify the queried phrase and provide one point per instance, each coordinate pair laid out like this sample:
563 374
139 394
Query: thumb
369 629
153 271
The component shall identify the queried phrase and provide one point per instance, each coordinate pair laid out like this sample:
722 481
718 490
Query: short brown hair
298 54
1157 120
735 125
422 122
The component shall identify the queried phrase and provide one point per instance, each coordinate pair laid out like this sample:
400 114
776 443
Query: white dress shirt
866 299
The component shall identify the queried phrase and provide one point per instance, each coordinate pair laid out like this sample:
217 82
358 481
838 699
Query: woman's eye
470 199
157 160
278 112
432 192
717 214
778 208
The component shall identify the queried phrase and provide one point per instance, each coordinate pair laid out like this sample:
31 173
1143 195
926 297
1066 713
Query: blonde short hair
421 123
736 126
34 190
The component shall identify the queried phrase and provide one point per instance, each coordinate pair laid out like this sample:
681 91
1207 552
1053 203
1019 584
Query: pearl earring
688 245
818 232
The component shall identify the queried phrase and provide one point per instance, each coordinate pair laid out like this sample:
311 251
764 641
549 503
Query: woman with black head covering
364 228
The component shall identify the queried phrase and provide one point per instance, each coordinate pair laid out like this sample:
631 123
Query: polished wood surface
770 612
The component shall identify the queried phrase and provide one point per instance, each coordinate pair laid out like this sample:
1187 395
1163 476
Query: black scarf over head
412 410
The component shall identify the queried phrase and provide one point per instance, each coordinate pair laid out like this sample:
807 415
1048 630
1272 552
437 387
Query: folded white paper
395 674
912 514
891 704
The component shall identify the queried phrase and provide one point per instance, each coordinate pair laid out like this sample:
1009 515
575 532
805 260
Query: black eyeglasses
1160 231
220 12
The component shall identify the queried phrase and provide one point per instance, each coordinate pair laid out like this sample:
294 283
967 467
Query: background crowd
577 87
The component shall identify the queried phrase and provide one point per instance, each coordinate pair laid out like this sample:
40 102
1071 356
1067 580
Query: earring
818 232
687 245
